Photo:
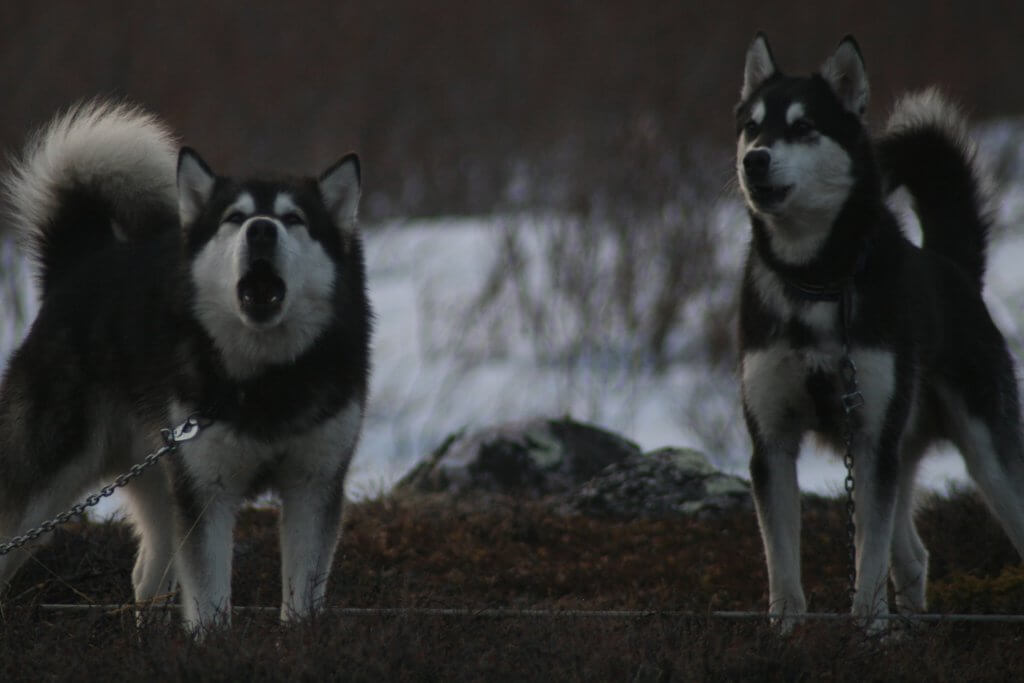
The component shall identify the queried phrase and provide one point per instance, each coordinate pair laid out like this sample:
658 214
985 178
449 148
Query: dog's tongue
261 292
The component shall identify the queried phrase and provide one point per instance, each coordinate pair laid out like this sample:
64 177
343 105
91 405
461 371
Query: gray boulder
531 459
662 484
579 469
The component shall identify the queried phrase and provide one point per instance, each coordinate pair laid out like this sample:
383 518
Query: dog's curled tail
926 149
99 172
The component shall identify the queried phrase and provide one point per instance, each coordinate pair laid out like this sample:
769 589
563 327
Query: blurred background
468 107
551 221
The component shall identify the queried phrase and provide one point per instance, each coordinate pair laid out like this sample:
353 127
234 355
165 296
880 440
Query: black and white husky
830 276
169 291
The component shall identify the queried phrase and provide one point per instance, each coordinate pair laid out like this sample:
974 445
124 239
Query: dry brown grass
427 552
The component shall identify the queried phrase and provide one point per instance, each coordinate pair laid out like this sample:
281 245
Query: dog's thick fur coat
830 275
167 291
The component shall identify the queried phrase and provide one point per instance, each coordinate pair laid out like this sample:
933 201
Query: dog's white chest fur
228 461
778 386
777 379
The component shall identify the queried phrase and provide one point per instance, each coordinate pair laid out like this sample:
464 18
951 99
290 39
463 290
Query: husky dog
850 331
168 291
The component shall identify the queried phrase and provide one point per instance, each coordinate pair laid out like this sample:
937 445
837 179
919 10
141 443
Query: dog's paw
785 624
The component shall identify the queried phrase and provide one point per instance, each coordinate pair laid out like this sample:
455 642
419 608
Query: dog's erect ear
195 184
845 72
339 188
760 65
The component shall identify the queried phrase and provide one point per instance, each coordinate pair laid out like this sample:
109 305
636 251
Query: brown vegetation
425 552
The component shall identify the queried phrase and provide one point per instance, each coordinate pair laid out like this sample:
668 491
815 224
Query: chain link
851 526
186 431
851 399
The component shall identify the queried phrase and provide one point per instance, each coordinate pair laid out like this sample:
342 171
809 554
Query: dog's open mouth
261 291
768 197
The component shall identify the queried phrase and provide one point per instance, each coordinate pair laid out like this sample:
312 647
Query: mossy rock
662 484
530 459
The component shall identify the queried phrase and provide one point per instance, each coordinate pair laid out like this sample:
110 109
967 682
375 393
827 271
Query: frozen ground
442 364
430 380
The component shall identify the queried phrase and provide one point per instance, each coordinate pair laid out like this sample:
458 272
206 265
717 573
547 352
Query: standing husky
831 277
241 301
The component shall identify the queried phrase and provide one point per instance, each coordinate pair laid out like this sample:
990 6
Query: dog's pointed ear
340 190
195 185
846 73
760 65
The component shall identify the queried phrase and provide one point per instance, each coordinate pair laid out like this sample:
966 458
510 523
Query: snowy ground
441 365
423 276
432 375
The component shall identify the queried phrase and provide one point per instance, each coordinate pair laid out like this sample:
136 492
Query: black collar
832 291
812 291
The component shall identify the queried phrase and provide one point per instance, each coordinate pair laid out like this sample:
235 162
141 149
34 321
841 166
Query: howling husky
168 291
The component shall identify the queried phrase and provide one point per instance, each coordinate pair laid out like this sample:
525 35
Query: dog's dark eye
751 127
235 217
801 127
292 219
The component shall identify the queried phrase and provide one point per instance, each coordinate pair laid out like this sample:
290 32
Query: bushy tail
102 171
926 148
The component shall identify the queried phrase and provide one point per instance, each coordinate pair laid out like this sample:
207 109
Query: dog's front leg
310 525
875 498
205 521
204 566
878 432
777 499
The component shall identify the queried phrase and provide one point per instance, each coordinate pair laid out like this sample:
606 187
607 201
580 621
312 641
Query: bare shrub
620 277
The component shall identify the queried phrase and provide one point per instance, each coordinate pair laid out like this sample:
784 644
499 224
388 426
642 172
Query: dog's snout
756 163
261 234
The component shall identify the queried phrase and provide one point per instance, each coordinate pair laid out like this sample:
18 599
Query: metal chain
186 431
851 509
851 399
851 526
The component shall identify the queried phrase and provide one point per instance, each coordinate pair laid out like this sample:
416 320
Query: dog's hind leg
152 514
996 463
909 571
14 522
11 562
29 507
